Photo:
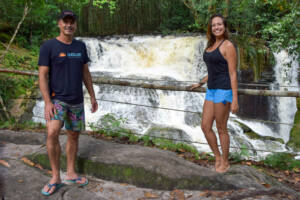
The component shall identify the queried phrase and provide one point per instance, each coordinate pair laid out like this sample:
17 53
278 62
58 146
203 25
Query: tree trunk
26 10
227 8
4 108
211 8
169 85
19 72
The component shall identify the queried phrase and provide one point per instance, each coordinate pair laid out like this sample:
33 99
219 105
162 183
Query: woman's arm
231 57
202 82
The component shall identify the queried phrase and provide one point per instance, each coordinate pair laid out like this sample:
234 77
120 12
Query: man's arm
49 110
87 80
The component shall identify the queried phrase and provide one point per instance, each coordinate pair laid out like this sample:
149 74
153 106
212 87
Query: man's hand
49 111
94 105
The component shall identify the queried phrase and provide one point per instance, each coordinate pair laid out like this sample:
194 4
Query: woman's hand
194 86
234 107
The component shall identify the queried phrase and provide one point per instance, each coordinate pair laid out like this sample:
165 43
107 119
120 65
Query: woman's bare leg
206 126
222 114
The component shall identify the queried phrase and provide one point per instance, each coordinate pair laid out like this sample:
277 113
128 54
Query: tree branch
25 12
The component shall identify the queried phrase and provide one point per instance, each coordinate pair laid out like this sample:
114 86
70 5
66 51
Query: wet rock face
257 107
192 119
167 132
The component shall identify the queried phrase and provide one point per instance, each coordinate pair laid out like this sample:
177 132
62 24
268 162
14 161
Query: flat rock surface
22 181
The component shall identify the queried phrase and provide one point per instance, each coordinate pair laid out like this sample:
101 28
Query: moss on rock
251 134
135 175
294 141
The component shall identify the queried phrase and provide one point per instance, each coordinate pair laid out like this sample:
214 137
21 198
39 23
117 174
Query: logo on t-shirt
62 54
74 55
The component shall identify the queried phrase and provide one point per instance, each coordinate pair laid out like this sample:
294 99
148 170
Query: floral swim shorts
72 115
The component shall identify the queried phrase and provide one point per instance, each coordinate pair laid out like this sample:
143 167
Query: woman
221 95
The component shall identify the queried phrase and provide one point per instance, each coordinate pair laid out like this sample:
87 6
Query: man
62 68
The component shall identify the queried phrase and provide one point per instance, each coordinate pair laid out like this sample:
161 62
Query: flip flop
78 179
56 185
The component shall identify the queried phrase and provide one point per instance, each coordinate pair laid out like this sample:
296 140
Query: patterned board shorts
71 115
219 95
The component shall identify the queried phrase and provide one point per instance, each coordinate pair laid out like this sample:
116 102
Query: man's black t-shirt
66 64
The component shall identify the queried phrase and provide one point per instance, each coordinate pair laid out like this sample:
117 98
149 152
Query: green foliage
4 37
244 151
133 138
147 141
38 24
12 86
7 124
240 155
111 125
236 157
283 161
284 32
41 22
176 17
112 4
12 123
276 21
294 140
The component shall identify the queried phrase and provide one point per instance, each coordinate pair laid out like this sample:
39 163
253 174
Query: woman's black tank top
217 67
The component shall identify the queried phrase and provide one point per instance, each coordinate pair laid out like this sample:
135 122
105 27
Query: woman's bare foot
218 162
223 167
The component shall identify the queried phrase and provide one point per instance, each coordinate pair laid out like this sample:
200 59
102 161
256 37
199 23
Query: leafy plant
282 161
240 155
12 123
111 125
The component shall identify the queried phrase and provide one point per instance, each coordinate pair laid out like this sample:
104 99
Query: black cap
66 13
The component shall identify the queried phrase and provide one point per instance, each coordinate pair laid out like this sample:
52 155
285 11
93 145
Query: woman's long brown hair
211 39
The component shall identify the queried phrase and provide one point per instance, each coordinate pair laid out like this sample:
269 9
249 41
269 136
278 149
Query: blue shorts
219 95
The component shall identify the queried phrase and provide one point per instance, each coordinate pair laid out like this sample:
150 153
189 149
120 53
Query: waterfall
286 71
170 58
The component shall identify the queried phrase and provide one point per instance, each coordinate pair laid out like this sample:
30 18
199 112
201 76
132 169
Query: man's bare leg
71 150
54 151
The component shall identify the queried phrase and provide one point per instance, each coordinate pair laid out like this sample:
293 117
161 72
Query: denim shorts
72 115
219 95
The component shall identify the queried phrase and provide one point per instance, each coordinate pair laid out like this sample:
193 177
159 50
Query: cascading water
156 58
286 71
